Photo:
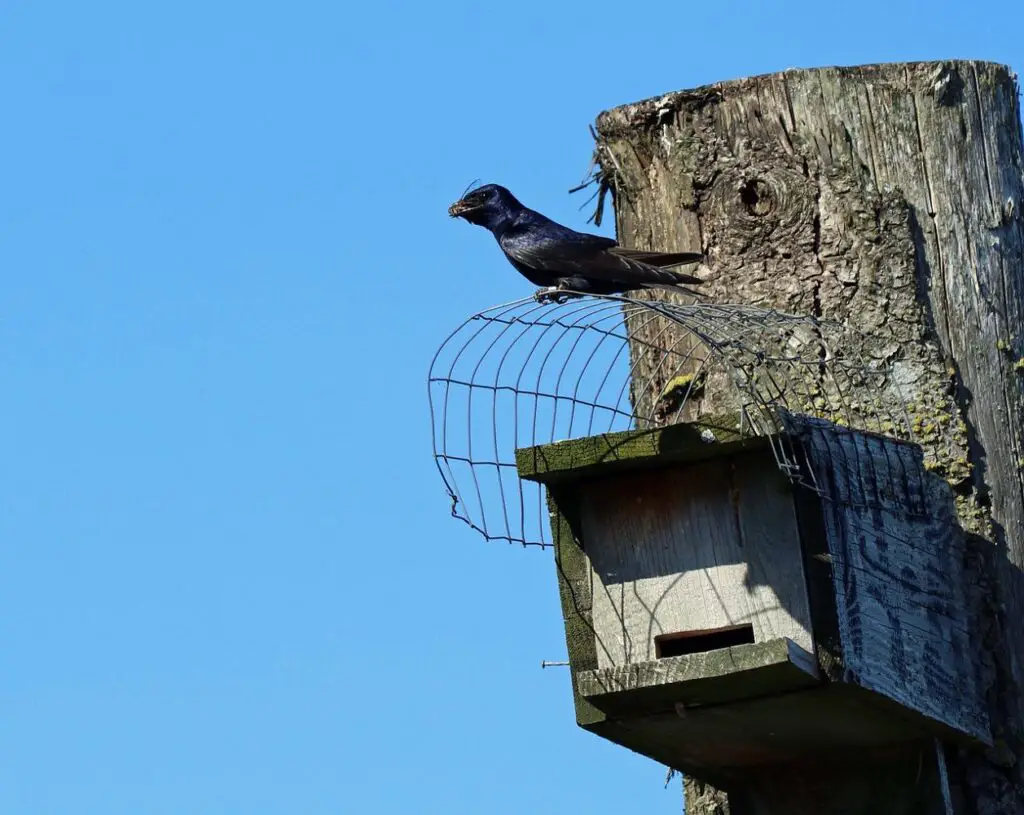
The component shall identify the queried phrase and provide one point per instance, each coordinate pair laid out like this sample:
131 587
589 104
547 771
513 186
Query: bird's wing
587 257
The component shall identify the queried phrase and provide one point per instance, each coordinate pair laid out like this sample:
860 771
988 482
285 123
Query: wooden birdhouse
721 612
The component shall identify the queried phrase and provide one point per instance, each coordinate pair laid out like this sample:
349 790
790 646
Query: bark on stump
890 197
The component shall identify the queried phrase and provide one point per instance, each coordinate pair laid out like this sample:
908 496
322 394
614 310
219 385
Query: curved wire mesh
525 374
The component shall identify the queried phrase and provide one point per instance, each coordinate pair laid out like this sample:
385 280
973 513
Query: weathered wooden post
890 197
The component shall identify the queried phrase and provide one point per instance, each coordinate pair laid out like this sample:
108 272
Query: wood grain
691 548
896 555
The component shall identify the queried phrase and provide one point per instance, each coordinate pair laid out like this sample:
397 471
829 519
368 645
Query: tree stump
891 198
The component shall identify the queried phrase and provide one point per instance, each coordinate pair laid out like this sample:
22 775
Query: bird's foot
549 294
555 294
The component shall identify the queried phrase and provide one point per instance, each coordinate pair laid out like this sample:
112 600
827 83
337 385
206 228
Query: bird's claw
551 294
554 294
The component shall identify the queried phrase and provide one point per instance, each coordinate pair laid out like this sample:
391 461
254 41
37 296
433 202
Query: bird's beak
460 207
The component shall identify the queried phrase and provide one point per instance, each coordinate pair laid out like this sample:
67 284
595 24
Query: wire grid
528 373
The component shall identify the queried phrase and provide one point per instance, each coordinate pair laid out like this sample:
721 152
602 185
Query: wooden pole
890 197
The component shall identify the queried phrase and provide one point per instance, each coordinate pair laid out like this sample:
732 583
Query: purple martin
558 258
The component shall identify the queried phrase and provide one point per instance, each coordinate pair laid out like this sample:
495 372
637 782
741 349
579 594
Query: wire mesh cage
528 373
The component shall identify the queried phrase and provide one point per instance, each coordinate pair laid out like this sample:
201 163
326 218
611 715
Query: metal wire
527 373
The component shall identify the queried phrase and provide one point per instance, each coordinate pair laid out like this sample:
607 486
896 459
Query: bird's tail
675 289
669 278
660 259
660 277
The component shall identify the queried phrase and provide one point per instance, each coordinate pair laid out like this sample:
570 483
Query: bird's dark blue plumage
554 256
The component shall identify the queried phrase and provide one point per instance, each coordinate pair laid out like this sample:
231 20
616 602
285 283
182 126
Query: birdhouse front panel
693 558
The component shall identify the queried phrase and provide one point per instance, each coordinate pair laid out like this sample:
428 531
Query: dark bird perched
558 258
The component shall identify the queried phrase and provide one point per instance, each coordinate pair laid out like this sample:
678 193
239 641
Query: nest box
720 613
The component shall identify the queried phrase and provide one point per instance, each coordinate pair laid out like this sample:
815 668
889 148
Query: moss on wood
633 449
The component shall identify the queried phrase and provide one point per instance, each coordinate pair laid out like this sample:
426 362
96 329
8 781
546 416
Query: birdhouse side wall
691 548
897 554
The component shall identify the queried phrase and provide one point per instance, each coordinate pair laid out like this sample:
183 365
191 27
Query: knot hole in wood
756 197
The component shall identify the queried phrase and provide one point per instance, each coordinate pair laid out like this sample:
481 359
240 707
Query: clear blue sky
228 578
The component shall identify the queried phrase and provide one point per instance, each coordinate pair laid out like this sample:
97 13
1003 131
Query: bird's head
489 206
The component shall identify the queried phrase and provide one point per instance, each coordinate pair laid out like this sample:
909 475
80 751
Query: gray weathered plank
902 620
740 672
631 450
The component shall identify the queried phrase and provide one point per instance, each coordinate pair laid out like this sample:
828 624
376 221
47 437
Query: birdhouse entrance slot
697 642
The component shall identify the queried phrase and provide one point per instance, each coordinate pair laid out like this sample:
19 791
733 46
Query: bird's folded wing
591 260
